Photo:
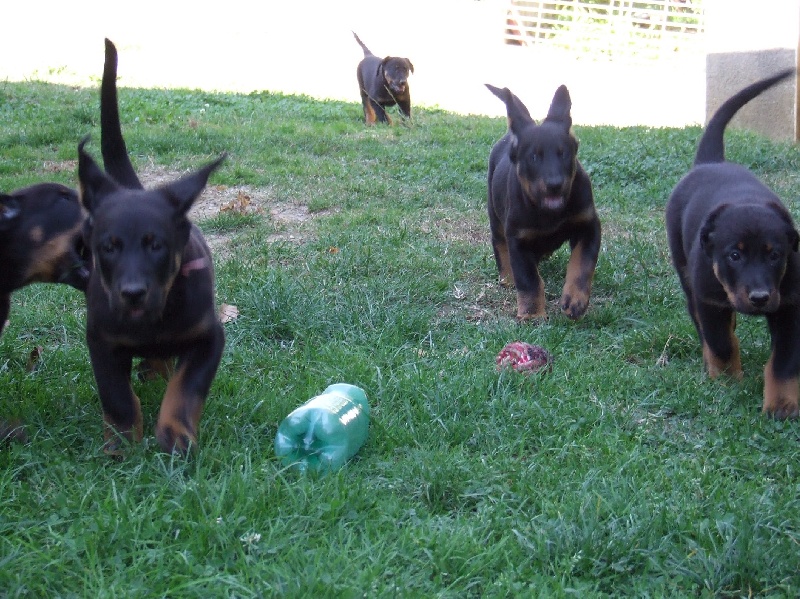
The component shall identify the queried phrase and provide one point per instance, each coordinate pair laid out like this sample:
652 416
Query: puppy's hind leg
369 112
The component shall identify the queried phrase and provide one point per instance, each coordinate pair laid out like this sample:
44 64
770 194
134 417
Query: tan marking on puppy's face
739 294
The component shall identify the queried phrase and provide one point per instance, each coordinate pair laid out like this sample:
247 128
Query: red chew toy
524 357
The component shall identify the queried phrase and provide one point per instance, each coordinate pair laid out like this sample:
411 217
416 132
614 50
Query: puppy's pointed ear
560 108
9 211
518 115
94 183
183 192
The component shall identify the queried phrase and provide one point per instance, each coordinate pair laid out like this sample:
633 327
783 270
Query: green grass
624 471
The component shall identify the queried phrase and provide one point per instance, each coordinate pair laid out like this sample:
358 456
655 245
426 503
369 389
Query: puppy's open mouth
553 202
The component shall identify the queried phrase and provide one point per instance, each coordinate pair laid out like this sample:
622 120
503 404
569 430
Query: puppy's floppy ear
518 115
183 192
560 108
791 232
794 238
410 66
707 230
9 211
94 183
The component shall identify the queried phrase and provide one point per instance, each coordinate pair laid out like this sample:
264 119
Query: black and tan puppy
734 247
40 240
383 82
540 198
151 290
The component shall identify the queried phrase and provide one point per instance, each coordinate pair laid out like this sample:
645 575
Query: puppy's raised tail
116 160
367 51
712 144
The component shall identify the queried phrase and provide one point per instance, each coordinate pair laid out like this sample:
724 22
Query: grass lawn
362 255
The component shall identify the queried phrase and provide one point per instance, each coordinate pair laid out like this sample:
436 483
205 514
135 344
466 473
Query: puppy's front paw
780 396
524 317
531 306
574 305
784 413
175 438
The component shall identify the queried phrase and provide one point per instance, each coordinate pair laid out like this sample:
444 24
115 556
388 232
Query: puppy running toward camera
540 198
383 82
734 247
151 290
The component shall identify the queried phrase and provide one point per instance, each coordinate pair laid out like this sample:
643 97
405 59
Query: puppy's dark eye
734 256
774 256
150 242
109 246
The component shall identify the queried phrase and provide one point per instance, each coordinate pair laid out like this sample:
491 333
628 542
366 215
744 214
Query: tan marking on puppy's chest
36 235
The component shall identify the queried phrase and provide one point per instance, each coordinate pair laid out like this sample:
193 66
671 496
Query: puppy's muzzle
132 300
759 300
133 294
397 87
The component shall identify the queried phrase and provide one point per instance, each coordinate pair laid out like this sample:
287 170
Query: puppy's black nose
554 187
758 298
133 293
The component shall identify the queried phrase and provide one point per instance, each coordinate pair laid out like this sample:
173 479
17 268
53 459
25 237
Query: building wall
747 41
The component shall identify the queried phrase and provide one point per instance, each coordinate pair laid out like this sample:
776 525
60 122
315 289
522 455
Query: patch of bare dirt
446 227
287 217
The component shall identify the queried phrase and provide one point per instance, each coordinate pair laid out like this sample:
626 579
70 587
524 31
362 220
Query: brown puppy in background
735 249
540 198
383 82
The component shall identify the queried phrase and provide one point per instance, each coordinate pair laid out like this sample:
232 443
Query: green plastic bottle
326 431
